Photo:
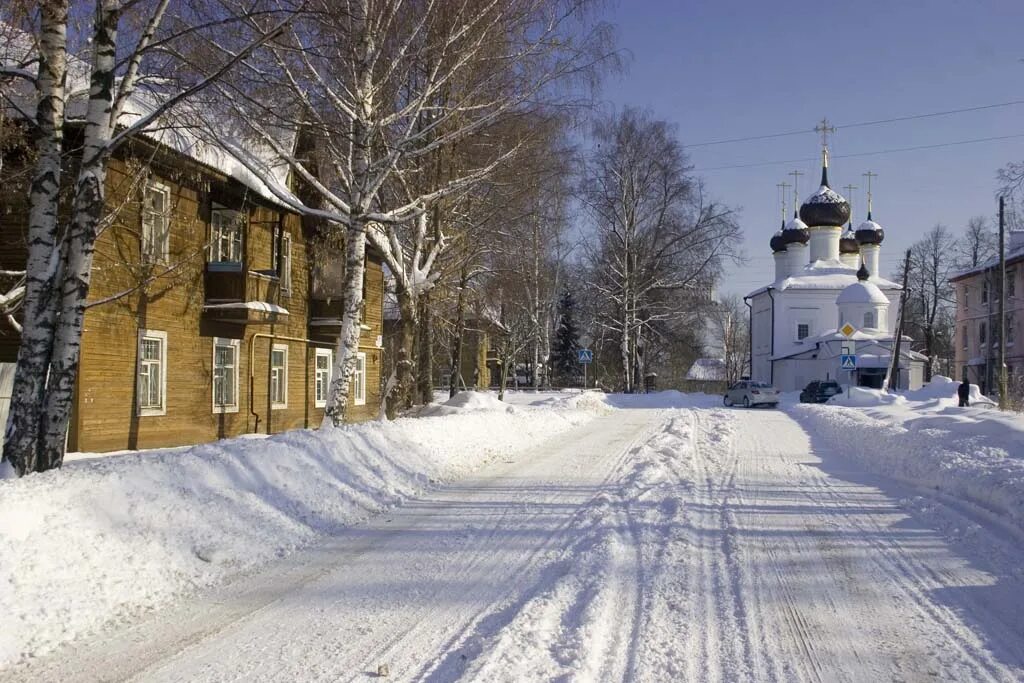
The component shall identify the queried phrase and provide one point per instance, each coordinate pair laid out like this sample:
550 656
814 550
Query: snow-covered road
696 544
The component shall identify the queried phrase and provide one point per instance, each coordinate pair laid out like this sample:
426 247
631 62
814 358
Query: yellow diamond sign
847 330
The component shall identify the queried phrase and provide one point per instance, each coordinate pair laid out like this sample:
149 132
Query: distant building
827 278
977 324
707 375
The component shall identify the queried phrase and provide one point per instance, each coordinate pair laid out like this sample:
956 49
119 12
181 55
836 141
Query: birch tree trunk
43 264
348 337
404 378
86 212
459 333
425 369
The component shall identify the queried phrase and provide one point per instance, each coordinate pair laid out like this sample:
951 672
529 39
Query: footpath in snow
108 537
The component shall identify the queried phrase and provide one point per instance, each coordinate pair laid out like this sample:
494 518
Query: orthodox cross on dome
796 190
869 175
782 195
826 129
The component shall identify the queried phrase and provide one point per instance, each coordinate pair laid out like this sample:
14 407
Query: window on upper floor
156 222
286 259
227 232
1011 284
963 337
981 333
1010 325
869 320
967 296
984 292
803 331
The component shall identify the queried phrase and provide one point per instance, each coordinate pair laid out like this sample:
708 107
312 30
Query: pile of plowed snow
105 538
923 438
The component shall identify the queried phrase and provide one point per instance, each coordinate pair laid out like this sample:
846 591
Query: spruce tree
567 341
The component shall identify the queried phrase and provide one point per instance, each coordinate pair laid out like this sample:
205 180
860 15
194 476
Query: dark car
820 391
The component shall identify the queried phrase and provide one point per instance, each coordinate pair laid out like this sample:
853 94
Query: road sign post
585 357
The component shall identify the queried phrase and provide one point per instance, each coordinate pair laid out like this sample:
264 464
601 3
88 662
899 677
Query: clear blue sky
727 69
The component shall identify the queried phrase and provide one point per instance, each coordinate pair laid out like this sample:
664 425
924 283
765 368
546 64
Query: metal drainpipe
252 369
771 350
750 338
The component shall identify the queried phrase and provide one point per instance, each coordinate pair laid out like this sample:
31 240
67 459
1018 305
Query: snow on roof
707 370
825 195
861 293
262 306
824 275
191 129
1014 254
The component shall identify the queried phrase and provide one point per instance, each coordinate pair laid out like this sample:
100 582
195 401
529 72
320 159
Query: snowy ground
647 538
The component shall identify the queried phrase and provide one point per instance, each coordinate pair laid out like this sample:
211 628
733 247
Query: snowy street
703 544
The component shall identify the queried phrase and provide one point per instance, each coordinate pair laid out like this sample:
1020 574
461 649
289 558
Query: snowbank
863 397
106 538
923 439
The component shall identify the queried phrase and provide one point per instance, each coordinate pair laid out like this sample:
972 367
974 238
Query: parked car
749 393
820 391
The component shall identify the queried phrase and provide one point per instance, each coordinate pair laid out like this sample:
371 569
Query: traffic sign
584 356
847 348
848 362
848 330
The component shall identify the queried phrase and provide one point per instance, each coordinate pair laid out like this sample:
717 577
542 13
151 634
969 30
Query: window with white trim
279 376
152 369
359 380
225 375
286 261
322 363
803 331
156 222
869 319
1011 283
227 229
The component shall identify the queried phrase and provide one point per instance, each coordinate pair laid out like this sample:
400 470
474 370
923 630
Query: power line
860 124
863 154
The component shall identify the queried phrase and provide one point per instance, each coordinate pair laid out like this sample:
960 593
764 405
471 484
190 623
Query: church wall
761 337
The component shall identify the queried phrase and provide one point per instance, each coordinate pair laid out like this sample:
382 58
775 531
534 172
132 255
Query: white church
827 297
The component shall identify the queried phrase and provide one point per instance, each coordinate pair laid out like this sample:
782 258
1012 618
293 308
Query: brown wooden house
204 319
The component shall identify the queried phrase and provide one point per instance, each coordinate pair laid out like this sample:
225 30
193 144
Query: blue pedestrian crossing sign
585 356
848 362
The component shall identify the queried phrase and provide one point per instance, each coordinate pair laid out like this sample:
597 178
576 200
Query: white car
749 393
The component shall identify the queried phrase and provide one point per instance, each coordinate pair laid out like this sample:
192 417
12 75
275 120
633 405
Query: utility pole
1002 308
894 366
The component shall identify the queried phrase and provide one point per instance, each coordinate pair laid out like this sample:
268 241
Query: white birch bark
43 264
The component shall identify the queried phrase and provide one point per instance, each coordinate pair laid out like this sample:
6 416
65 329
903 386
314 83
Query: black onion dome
848 242
777 243
862 273
826 207
870 232
795 231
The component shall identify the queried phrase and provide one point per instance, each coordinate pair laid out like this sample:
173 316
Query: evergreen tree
567 341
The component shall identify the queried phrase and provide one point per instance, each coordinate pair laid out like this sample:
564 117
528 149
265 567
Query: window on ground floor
225 375
323 363
359 380
279 376
152 379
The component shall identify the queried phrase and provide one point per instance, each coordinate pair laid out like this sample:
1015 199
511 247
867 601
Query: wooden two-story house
205 320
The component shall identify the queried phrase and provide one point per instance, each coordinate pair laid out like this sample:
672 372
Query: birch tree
658 244
117 100
384 85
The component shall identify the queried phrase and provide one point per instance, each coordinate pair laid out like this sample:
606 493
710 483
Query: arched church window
869 319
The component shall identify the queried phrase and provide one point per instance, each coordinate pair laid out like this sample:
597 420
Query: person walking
964 393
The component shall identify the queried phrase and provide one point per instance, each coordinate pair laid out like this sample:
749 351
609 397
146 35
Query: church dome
848 242
870 232
826 207
795 231
777 242
862 292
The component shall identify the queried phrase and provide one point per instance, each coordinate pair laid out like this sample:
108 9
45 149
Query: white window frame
359 380
236 346
796 331
286 266
150 411
283 381
874 322
147 245
229 217
321 401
